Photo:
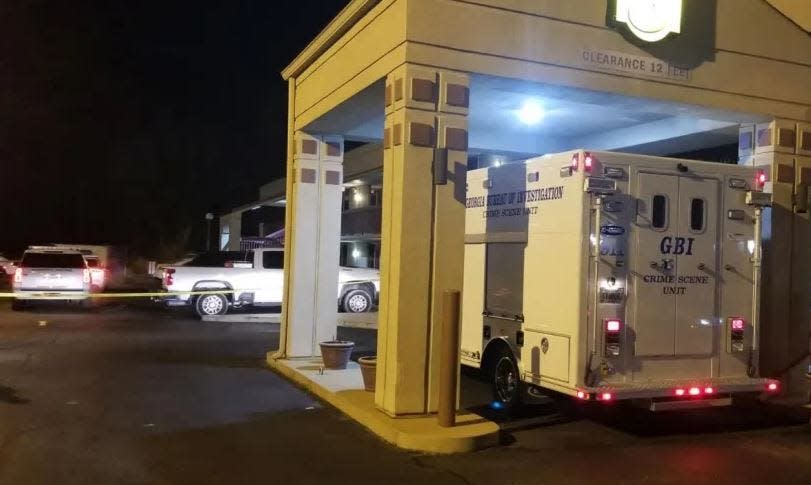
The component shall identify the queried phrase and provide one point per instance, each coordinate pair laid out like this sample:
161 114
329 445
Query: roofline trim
337 27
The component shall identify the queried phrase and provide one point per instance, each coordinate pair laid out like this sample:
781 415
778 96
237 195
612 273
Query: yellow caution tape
55 295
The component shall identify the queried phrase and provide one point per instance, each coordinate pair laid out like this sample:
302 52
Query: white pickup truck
255 278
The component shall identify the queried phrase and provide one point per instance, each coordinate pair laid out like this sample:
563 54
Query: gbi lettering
676 245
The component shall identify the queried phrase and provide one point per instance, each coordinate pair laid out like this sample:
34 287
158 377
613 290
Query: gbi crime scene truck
610 276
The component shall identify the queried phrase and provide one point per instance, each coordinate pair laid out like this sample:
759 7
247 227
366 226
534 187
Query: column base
343 389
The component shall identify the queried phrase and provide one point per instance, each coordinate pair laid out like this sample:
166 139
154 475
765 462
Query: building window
697 215
659 212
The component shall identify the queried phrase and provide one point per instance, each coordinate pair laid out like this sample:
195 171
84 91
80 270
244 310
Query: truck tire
508 390
18 305
210 305
357 301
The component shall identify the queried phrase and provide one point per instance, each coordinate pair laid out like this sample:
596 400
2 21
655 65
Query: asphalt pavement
135 394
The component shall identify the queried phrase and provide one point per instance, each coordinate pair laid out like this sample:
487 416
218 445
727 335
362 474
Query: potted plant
335 353
368 369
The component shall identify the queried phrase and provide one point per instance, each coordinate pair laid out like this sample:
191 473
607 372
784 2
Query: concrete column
422 230
782 148
313 231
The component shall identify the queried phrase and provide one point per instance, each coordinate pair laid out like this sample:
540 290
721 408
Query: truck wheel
208 305
507 386
18 305
357 301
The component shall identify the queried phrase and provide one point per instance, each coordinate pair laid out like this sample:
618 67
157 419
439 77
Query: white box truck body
664 311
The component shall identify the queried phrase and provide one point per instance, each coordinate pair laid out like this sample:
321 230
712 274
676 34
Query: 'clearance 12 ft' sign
650 20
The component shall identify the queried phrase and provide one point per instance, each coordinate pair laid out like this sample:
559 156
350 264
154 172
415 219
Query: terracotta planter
335 353
368 368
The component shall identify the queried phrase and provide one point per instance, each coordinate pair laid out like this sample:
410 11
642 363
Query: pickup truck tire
357 301
209 305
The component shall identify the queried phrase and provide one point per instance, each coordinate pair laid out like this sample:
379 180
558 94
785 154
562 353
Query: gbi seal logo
676 245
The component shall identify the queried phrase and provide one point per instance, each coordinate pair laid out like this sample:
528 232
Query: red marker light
606 396
679 392
772 387
738 324
582 395
588 162
575 161
760 178
613 325
694 391
709 390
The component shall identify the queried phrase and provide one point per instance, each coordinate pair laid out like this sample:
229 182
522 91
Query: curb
420 433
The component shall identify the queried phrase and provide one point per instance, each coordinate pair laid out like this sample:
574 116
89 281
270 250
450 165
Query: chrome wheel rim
357 303
211 305
506 380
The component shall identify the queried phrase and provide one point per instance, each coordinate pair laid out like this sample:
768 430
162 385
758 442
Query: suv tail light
613 337
18 275
86 275
168 279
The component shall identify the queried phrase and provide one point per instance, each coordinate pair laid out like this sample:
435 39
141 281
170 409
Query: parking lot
132 393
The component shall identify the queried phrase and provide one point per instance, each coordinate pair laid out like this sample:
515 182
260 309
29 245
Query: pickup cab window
273 260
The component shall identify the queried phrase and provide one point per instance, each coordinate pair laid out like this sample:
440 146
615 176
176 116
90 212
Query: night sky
126 121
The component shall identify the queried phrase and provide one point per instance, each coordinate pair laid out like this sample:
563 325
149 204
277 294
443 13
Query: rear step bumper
680 390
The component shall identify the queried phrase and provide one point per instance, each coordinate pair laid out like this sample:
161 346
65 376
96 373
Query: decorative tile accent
423 90
455 138
307 176
458 95
333 149
422 135
332 177
387 138
805 175
785 173
309 147
805 140
786 137
398 89
397 135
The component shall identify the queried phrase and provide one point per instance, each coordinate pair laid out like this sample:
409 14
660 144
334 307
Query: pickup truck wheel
357 301
208 305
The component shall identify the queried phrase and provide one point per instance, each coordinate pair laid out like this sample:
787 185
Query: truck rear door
675 275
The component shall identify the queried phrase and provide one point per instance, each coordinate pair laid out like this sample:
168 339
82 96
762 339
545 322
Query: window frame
703 216
666 221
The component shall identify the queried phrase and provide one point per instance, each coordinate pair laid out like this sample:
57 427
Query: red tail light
86 275
773 387
18 275
694 391
679 392
582 395
709 390
605 396
168 279
738 324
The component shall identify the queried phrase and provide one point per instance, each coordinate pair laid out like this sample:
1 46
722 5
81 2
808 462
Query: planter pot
368 368
335 353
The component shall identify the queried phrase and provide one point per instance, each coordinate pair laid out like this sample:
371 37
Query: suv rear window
52 260
273 260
